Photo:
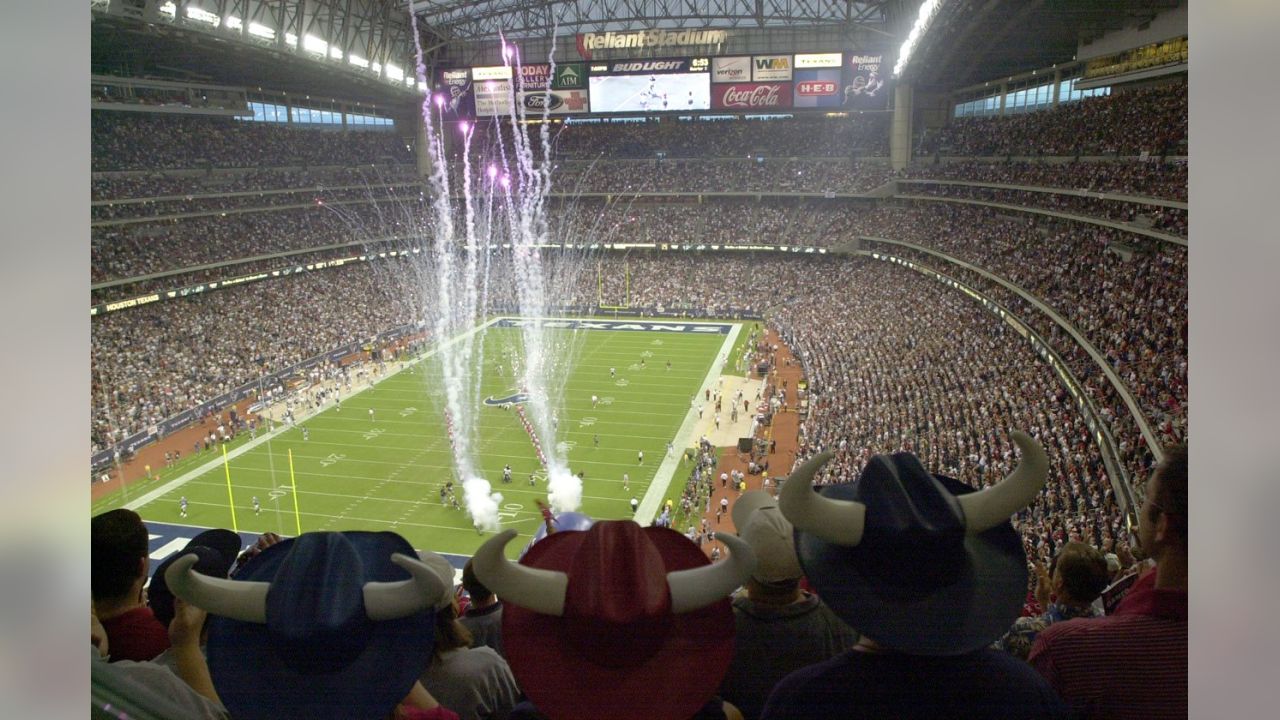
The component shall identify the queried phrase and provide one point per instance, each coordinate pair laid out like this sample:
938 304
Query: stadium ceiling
453 21
268 43
974 41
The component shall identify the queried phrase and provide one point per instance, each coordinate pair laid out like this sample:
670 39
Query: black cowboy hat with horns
920 563
325 625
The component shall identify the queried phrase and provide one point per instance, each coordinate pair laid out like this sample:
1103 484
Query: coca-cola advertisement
751 96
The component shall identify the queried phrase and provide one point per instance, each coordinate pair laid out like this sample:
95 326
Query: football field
385 472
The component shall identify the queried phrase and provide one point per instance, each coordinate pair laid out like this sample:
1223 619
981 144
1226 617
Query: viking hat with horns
325 625
920 563
616 621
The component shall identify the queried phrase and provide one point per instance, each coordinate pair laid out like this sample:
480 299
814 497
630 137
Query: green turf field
385 473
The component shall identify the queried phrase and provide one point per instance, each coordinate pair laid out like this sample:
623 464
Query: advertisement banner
494 72
493 97
751 96
570 76
770 68
453 96
588 43
818 88
657 92
651 67
730 69
557 102
865 87
534 77
819 60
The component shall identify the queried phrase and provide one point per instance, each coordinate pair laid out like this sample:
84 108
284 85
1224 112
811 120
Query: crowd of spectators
1156 217
903 364
120 186
1166 180
1152 120
137 141
154 361
126 251
117 212
707 176
802 136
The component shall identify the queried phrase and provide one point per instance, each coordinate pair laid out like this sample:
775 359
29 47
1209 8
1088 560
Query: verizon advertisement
556 102
730 69
751 96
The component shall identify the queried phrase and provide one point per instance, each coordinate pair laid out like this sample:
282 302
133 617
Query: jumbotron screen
650 93
651 85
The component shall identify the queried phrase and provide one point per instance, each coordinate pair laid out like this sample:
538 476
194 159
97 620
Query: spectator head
761 525
475 589
1079 574
217 550
618 621
325 625
1113 566
451 634
119 554
1162 523
899 552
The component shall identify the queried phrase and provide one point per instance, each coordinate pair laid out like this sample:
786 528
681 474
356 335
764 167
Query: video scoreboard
833 81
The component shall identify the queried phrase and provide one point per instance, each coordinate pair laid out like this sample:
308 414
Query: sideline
186 477
657 491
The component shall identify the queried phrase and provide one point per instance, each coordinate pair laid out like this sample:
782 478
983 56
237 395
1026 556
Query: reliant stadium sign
588 43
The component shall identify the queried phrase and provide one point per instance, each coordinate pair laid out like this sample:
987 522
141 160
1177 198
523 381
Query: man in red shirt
1133 663
119 567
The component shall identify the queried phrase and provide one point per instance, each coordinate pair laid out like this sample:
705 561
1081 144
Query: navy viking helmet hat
920 563
325 625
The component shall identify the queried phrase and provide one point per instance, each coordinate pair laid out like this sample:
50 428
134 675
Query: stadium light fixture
169 9
393 72
314 44
262 31
357 61
202 15
231 22
928 11
291 40
335 53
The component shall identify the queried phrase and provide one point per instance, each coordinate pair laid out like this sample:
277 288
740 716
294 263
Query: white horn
402 598
235 599
988 508
835 521
541 591
698 587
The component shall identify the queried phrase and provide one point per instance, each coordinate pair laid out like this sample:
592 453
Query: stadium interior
947 235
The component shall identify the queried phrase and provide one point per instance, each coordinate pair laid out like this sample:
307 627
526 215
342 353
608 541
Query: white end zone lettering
628 326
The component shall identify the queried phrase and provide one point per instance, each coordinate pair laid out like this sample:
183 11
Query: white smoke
482 503
564 490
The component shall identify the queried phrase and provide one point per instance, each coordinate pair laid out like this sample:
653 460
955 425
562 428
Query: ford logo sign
535 101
